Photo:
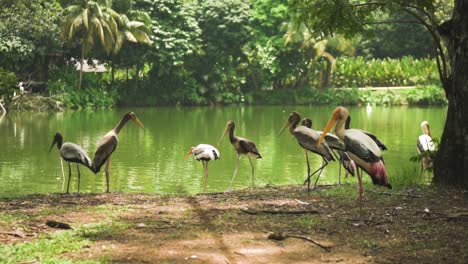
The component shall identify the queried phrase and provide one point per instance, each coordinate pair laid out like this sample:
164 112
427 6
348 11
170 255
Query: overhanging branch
440 55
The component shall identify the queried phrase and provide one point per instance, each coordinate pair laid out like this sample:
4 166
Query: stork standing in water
71 152
108 144
425 144
336 145
307 139
360 147
205 153
243 146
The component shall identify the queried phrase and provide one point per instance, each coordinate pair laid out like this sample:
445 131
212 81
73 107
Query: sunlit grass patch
49 247
44 250
8 218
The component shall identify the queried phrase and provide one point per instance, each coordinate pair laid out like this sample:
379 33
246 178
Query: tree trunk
81 66
451 163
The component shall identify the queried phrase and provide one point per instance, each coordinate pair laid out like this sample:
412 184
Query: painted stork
336 145
243 146
108 144
307 139
71 152
425 144
204 153
360 147
377 141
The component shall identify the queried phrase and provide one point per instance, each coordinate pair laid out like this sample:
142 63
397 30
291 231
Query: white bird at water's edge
204 153
71 152
425 143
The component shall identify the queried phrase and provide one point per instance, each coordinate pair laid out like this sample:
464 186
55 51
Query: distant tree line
165 52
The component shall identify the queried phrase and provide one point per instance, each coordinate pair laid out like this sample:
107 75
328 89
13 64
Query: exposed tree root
280 236
295 212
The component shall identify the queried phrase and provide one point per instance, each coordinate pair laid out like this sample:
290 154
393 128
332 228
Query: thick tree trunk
451 163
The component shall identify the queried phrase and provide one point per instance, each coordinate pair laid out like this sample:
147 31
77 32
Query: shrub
428 95
64 86
7 84
358 72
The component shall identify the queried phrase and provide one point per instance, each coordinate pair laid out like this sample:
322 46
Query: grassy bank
418 224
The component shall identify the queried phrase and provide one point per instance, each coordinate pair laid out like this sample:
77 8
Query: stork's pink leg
360 189
235 171
107 173
205 165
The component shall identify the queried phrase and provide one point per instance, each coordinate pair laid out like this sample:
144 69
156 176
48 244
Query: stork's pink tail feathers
378 174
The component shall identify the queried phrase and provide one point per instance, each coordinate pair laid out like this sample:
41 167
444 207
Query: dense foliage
406 71
166 52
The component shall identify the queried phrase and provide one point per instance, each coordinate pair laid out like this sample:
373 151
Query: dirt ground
410 226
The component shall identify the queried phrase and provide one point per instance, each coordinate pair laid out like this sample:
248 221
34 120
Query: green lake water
152 160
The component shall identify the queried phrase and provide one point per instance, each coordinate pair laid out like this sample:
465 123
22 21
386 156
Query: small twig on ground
453 216
295 212
210 194
55 224
395 193
16 234
301 202
281 236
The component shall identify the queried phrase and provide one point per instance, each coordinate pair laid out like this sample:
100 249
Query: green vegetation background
210 52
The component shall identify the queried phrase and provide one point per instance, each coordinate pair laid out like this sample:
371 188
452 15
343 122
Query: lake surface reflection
152 160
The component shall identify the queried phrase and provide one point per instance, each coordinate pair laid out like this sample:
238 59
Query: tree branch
393 22
437 42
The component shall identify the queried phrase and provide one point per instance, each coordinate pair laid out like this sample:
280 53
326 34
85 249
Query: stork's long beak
224 134
53 143
327 128
287 124
136 120
189 153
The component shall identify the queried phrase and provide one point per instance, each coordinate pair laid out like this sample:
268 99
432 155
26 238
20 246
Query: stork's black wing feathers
360 150
249 146
103 153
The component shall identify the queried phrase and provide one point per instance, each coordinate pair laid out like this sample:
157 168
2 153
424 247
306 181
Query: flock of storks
355 149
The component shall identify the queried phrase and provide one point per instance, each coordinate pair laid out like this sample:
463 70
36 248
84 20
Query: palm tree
132 31
88 21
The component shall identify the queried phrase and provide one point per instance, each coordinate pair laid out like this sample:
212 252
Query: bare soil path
420 225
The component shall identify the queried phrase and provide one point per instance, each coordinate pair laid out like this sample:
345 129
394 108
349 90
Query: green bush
93 94
7 84
429 95
359 72
304 97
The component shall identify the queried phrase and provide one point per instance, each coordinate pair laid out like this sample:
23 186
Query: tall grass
409 176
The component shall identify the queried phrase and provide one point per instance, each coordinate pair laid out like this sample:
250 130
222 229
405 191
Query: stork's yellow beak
189 152
221 140
327 128
136 120
287 124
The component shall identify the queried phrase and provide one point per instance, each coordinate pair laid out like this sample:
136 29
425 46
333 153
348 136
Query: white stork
360 147
204 153
242 146
71 152
425 144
